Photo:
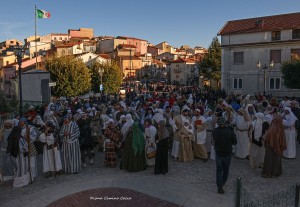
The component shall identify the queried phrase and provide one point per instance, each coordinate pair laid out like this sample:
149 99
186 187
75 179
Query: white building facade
266 40
182 71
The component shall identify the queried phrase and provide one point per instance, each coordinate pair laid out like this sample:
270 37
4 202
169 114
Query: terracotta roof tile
128 58
125 37
127 45
105 56
260 24
181 60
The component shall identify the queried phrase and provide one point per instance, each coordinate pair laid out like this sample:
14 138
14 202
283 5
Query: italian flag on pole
42 14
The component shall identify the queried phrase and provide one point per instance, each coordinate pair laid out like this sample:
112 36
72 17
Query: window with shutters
275 55
176 69
296 34
238 58
237 83
275 35
274 83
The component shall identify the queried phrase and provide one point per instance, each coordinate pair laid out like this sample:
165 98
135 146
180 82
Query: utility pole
130 69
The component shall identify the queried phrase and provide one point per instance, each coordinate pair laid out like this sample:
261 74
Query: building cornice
263 43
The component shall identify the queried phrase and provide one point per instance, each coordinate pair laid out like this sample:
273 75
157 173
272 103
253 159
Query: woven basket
151 154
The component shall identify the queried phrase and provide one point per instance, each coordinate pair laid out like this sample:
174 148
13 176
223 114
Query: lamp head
271 64
258 64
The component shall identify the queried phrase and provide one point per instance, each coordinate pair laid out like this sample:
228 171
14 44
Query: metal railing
285 198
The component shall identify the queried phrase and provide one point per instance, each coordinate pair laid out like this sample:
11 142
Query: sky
178 22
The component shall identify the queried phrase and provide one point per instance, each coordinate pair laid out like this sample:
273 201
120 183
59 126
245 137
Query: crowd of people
141 131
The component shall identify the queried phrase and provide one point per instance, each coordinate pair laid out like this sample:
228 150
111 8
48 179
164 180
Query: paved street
187 184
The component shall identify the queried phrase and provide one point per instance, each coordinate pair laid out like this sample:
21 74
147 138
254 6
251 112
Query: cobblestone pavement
187 184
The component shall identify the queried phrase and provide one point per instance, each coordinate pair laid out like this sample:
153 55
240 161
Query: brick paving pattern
110 197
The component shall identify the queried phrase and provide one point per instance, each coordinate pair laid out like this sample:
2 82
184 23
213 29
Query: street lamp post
101 71
264 68
19 53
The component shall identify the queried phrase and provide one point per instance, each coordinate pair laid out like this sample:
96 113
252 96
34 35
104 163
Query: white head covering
257 124
15 122
122 117
260 116
268 118
110 120
9 121
289 117
159 116
127 125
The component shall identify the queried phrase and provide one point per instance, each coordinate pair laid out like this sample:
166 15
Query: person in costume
69 134
51 154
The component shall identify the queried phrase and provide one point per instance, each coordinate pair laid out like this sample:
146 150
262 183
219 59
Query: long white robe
49 155
200 136
242 133
257 154
150 144
22 170
290 136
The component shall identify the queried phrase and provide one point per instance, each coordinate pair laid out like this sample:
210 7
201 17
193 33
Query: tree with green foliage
290 73
7 106
210 65
71 75
111 78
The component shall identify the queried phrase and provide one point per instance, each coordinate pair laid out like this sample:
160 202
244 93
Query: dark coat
224 138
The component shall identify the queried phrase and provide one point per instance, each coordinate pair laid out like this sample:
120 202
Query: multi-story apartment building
69 49
8 44
55 37
7 59
165 47
109 45
182 71
82 32
269 41
153 50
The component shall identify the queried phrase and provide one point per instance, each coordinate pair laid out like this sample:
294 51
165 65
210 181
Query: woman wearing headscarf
51 153
275 144
257 151
133 159
199 124
186 136
6 161
113 138
243 125
158 116
288 121
69 134
161 159
251 111
150 145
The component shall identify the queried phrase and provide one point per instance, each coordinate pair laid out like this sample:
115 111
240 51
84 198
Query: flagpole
35 37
